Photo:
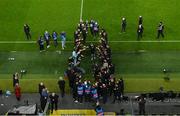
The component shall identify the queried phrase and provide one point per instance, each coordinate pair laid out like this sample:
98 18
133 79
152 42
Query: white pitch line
32 42
81 13
17 42
155 41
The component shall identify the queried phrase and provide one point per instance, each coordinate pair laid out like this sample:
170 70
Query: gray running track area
130 107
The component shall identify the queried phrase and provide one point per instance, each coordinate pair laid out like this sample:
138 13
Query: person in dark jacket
15 80
74 90
104 93
54 101
140 31
41 86
111 86
117 94
123 25
27 31
142 103
160 30
61 84
44 98
121 86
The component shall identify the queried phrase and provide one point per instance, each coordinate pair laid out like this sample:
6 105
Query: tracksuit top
87 89
94 93
80 90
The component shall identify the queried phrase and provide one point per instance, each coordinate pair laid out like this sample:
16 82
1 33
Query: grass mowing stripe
143 85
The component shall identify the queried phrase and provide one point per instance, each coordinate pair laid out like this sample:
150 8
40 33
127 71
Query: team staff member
140 31
123 25
61 84
44 98
54 101
121 86
104 93
117 94
142 103
160 30
27 31
41 87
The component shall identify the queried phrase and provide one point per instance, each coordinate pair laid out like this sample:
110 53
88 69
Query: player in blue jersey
55 37
63 39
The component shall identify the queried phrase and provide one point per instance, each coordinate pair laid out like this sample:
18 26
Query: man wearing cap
61 84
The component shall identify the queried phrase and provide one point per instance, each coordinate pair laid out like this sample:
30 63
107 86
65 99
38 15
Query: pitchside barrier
79 112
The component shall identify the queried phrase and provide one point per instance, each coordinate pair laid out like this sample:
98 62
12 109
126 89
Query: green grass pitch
139 63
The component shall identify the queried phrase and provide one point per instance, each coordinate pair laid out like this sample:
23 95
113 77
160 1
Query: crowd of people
103 84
